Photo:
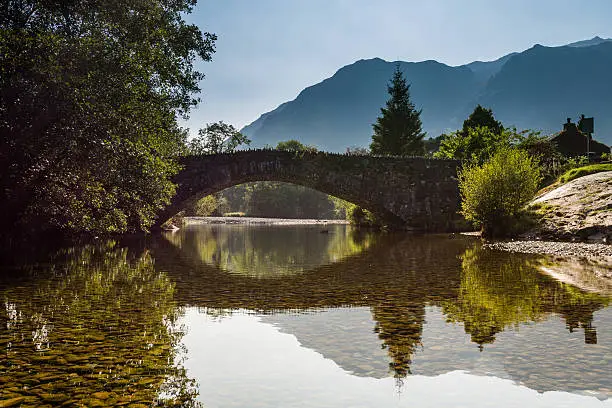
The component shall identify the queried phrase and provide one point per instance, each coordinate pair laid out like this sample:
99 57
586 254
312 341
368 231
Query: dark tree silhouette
482 117
398 130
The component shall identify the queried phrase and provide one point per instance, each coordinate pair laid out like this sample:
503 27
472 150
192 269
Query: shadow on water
98 324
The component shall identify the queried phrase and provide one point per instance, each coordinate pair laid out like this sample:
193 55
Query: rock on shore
577 211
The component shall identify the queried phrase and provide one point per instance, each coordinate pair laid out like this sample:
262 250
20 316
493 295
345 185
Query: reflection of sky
244 361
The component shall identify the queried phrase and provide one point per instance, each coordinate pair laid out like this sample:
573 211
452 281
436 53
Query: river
298 316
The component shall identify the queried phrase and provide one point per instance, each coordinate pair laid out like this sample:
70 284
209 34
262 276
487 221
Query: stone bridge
418 193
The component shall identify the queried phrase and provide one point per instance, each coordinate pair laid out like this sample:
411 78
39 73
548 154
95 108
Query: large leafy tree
475 144
89 97
398 130
217 138
480 136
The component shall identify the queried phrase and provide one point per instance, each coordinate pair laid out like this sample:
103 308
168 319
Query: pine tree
398 130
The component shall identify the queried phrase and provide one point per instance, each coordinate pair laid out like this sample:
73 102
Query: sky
269 50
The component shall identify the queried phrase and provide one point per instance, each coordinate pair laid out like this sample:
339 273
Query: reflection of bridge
421 193
397 277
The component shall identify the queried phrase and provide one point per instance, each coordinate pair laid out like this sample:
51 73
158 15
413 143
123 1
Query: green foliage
206 206
398 130
494 193
474 145
361 217
584 171
482 117
606 156
217 138
341 208
478 144
295 146
480 136
89 95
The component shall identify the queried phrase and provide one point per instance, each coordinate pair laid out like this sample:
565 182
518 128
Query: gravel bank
597 252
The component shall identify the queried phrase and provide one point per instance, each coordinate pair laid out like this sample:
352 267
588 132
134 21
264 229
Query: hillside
537 88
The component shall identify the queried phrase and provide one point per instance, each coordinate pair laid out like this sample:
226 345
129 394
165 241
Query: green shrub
206 206
584 171
494 194
360 217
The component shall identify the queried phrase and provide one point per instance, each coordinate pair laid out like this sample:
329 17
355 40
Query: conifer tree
398 130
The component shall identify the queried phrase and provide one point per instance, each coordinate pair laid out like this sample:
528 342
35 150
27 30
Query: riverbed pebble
599 252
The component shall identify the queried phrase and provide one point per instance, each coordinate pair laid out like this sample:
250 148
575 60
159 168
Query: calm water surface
288 316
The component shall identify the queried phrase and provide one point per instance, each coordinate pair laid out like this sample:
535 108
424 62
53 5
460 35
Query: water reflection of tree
501 290
267 252
400 328
96 328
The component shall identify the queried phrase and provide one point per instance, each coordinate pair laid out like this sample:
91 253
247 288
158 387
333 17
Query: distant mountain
540 87
587 43
537 89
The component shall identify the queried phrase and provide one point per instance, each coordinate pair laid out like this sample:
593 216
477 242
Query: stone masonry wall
422 193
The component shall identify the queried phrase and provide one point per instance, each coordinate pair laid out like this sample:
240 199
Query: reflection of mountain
343 335
543 356
95 329
490 295
265 251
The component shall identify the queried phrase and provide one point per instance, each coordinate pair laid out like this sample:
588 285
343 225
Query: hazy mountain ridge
537 88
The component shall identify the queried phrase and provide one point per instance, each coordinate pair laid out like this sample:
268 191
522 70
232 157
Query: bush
360 217
206 206
494 194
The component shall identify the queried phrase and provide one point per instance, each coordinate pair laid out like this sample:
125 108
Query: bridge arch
421 193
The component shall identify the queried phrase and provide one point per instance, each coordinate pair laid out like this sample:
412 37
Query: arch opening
272 199
276 199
